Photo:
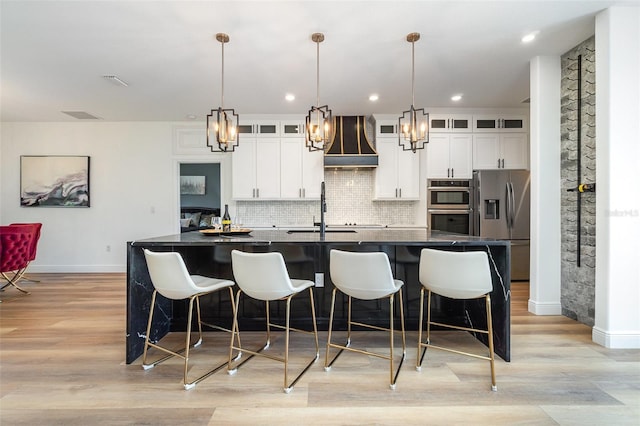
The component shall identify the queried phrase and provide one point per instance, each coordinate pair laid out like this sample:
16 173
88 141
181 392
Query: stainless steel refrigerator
502 211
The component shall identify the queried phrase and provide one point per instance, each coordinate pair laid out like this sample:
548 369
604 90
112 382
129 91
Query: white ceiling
54 54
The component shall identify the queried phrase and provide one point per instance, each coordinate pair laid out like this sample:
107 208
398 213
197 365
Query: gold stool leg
188 341
494 386
327 364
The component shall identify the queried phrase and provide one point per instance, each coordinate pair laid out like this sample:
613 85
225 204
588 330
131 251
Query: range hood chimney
353 143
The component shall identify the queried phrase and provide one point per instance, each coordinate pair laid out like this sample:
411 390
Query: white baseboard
67 269
616 340
538 308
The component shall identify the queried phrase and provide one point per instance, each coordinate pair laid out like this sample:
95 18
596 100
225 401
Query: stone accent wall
349 200
578 282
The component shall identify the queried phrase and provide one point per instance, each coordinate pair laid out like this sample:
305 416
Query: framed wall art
192 185
54 181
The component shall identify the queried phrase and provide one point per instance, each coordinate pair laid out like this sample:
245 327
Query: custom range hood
353 143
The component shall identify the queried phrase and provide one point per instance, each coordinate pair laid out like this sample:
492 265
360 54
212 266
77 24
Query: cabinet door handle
452 174
396 192
257 192
503 163
400 193
498 163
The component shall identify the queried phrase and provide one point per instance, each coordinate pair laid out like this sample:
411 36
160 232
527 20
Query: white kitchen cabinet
267 129
302 172
292 129
500 151
386 128
256 168
450 123
450 156
500 123
398 171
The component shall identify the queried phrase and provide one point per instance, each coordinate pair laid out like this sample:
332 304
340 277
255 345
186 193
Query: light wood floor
62 362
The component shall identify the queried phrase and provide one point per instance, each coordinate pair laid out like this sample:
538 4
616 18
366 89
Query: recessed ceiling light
373 97
530 37
290 97
456 98
192 116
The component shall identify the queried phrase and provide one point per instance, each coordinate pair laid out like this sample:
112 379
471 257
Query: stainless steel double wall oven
450 205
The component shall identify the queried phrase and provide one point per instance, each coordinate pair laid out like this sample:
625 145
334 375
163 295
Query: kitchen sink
314 231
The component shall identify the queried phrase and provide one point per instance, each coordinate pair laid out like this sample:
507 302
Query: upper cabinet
500 151
386 128
449 156
301 171
500 123
398 171
256 167
450 123
272 163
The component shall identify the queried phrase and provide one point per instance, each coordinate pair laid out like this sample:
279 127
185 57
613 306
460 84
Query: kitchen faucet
323 209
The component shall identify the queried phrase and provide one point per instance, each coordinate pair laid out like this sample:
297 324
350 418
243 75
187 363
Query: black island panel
307 257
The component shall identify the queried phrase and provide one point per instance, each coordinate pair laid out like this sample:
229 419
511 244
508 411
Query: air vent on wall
81 115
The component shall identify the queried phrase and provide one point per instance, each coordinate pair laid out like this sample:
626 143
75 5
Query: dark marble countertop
361 236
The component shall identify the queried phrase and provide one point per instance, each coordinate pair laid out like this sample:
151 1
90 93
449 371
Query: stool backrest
457 275
169 275
362 275
16 243
262 276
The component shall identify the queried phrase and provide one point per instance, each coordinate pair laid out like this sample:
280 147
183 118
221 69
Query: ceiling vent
81 115
115 80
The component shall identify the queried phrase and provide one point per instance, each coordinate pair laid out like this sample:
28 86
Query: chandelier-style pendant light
222 122
319 121
413 126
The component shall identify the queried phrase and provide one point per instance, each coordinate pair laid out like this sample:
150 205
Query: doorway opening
199 195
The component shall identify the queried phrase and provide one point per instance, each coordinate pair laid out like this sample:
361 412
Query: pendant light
413 125
319 121
222 122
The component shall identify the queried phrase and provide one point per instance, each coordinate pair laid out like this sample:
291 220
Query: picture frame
54 181
192 185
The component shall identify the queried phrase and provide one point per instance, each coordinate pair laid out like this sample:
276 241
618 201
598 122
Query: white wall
617 318
131 191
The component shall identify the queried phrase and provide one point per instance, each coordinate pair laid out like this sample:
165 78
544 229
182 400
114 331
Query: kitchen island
307 257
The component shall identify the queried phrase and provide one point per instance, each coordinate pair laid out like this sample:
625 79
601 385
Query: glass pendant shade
222 123
413 125
319 121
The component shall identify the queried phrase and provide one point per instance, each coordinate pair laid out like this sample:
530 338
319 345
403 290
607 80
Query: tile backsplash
349 200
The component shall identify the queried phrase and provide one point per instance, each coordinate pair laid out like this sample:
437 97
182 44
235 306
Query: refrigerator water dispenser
492 209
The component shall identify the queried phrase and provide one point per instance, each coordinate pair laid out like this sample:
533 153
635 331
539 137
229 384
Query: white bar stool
365 276
264 276
456 275
171 279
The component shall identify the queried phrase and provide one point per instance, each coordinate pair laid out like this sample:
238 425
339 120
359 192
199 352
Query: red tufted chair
35 228
16 245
